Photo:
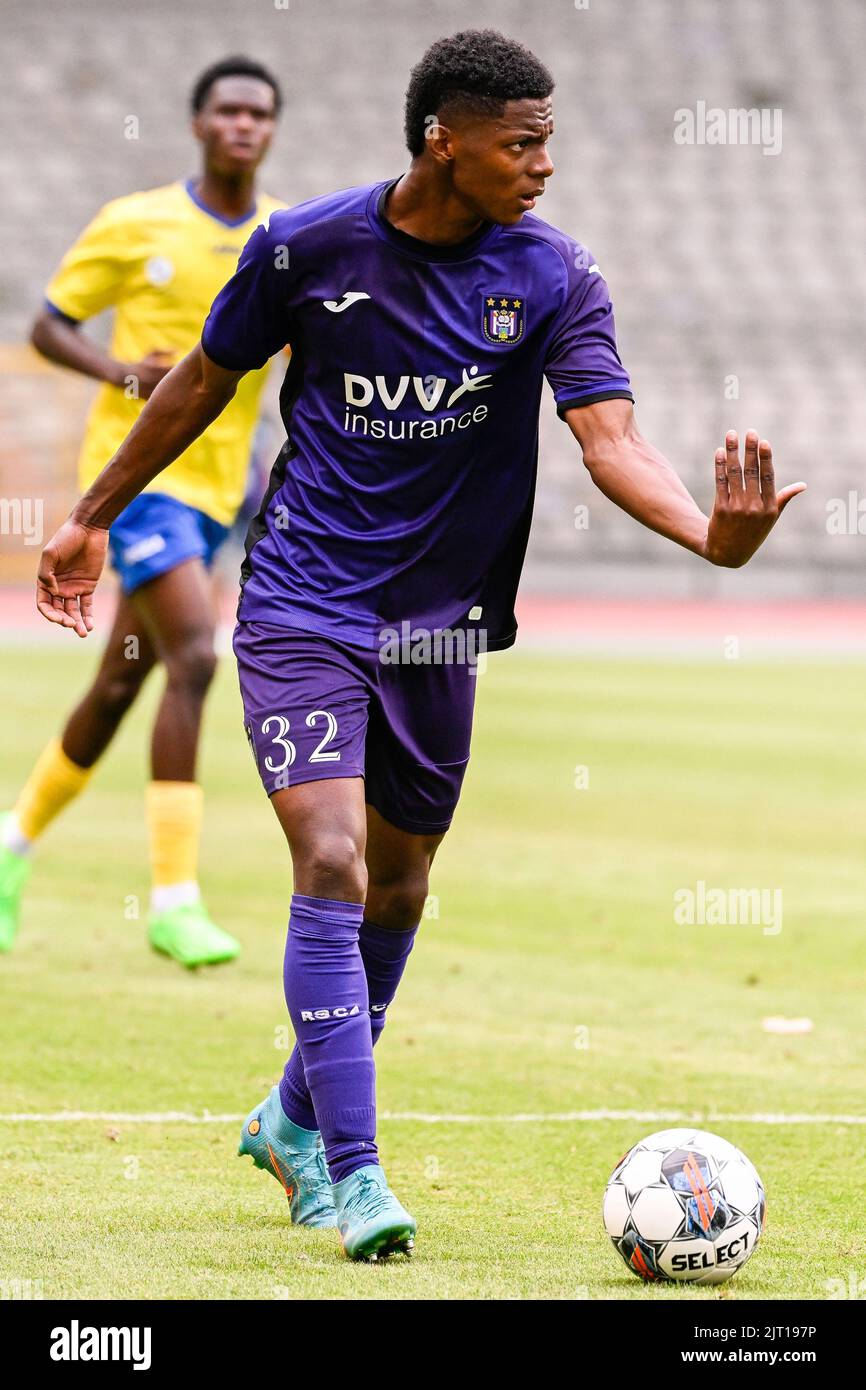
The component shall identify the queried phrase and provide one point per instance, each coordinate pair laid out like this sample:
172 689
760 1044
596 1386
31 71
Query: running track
603 625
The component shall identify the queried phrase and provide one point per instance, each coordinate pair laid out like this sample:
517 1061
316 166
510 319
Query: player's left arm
640 480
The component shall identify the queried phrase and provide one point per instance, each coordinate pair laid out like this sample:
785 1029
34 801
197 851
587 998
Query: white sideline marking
670 1117
667 1117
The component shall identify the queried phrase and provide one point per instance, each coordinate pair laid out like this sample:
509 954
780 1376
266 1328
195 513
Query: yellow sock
54 781
174 814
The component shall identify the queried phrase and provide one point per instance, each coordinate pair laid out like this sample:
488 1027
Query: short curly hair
477 70
237 66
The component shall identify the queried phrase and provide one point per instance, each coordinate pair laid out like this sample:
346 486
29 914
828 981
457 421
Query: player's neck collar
189 186
412 246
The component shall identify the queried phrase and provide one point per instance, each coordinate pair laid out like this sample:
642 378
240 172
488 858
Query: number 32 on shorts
281 725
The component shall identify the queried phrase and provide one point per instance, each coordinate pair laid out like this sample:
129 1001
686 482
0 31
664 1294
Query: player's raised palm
747 505
69 571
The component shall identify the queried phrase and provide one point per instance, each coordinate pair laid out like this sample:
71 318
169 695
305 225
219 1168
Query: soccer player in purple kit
423 314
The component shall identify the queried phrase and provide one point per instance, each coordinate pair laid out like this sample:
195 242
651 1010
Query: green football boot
296 1159
14 872
189 936
371 1222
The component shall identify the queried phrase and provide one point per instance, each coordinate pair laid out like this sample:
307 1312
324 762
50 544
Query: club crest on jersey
503 317
159 270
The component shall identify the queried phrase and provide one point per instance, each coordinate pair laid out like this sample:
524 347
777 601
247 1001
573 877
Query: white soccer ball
684 1205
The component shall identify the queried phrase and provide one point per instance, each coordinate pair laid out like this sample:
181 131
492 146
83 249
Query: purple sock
295 1095
384 953
326 993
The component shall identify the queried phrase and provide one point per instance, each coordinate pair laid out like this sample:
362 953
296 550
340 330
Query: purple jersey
404 492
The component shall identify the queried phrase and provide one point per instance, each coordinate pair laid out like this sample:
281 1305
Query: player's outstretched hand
747 505
69 570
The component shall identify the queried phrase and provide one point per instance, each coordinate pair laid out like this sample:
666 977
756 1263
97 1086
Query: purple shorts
316 708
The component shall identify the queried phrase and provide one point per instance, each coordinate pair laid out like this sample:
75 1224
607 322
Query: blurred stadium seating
732 270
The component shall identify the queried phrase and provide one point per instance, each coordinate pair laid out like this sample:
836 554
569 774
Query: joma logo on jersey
342 1011
503 317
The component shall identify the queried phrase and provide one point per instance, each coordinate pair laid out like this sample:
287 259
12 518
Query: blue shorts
156 533
315 708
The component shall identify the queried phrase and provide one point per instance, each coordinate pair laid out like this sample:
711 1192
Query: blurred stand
736 270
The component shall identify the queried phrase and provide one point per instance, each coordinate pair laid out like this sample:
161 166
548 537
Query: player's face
236 123
501 163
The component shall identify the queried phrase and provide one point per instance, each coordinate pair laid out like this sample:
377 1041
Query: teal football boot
296 1159
371 1222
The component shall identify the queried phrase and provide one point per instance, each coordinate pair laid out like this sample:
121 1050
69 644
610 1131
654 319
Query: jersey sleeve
249 320
582 362
92 274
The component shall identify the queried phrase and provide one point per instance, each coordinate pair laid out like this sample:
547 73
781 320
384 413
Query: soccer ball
684 1205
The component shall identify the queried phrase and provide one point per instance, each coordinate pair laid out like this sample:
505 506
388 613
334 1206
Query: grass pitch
550 977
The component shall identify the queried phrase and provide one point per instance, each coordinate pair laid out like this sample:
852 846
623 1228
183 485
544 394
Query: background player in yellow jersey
158 259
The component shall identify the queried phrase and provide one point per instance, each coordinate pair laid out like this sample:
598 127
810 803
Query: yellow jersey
159 259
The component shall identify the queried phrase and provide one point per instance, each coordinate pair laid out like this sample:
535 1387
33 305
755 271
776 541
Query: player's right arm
184 403
63 341
92 277
247 325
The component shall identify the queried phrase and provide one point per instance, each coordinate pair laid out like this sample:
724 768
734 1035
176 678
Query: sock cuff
384 942
173 811
65 765
330 917
164 897
54 781
173 798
